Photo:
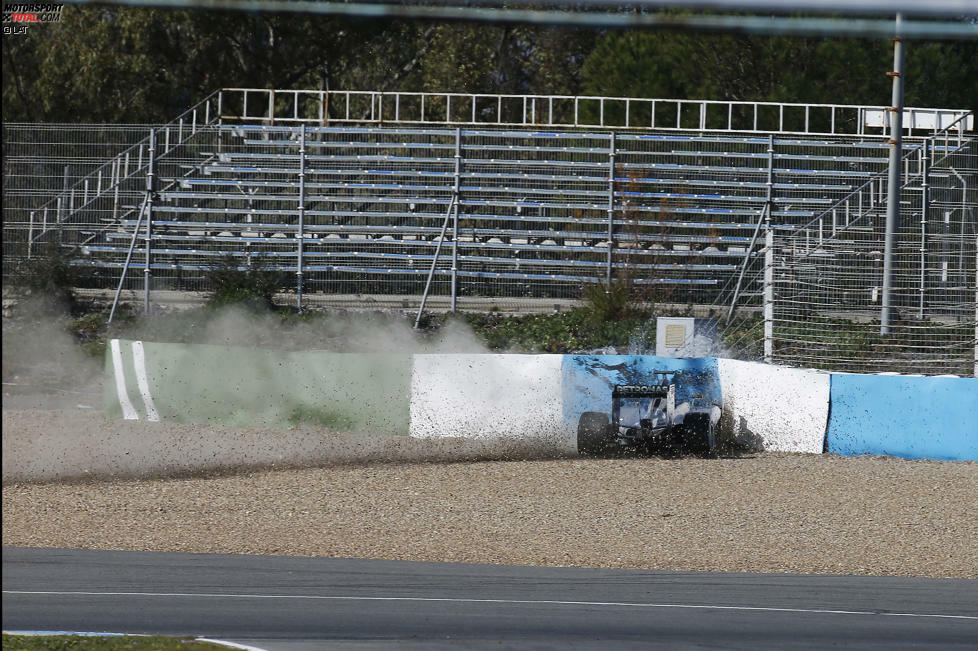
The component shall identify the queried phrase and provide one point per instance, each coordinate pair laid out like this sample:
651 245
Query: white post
30 236
611 206
769 296
924 209
61 207
302 214
117 181
458 172
150 189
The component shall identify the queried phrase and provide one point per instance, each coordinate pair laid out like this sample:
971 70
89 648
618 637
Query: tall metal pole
924 210
455 200
611 205
302 214
150 190
893 181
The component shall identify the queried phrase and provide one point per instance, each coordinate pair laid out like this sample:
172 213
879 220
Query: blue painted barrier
909 417
588 380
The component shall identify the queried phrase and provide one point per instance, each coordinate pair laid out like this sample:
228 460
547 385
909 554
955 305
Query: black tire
592 434
699 435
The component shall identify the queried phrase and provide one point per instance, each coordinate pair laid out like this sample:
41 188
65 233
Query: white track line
231 645
488 601
128 411
139 365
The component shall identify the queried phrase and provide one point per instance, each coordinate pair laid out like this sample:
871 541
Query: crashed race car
652 419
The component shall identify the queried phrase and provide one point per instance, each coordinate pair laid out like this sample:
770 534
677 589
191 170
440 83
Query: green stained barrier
252 387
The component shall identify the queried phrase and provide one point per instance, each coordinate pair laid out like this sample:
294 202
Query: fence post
769 296
116 182
893 188
769 258
30 236
611 205
458 172
764 219
924 208
150 190
302 214
61 207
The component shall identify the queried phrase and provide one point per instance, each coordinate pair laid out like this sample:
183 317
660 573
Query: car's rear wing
640 391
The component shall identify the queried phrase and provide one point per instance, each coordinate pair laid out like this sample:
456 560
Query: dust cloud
43 363
336 331
53 431
62 445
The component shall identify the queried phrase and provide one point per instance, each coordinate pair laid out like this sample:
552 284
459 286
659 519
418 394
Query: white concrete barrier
492 396
774 408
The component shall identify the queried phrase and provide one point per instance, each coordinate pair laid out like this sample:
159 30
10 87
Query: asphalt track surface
291 604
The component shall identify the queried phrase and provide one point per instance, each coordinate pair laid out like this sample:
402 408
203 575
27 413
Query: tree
779 69
133 65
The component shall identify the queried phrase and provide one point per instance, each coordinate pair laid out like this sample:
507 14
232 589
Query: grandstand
731 206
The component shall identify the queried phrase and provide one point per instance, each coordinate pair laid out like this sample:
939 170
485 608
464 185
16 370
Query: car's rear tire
593 437
699 435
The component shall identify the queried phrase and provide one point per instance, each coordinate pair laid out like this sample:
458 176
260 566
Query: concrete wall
535 398
774 407
252 387
910 417
486 396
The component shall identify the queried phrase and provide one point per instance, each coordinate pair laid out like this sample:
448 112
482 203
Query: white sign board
685 337
930 119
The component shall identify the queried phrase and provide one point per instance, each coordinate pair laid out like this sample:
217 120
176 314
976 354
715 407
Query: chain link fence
813 295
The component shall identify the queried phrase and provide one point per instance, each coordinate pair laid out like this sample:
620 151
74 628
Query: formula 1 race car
648 418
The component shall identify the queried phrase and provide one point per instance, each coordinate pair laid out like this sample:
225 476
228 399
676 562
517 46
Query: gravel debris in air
765 512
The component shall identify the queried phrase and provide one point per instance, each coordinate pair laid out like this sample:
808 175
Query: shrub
50 278
564 332
253 288
610 302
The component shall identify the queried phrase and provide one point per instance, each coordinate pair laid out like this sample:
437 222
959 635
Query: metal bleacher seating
539 210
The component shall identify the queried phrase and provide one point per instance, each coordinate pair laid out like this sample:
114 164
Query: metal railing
322 107
110 177
852 210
